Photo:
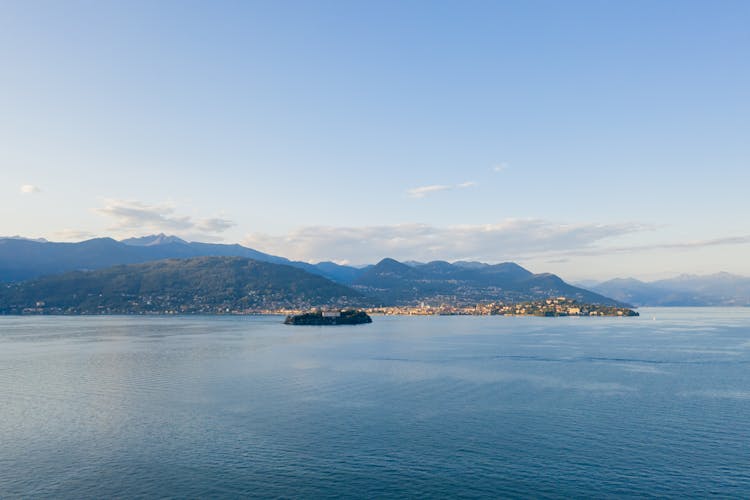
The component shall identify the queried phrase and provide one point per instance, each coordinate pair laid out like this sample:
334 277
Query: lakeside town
551 307
559 306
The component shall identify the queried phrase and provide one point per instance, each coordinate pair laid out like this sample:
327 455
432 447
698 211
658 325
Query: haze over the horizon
588 139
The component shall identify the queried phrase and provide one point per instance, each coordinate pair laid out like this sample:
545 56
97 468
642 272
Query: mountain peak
389 265
389 262
152 240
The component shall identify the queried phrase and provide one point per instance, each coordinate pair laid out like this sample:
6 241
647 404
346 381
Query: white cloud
29 189
500 167
137 218
422 191
73 235
512 239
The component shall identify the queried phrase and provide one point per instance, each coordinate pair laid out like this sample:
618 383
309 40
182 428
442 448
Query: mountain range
194 285
23 259
393 282
721 289
387 282
34 270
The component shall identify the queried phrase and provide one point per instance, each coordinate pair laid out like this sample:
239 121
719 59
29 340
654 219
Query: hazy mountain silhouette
721 289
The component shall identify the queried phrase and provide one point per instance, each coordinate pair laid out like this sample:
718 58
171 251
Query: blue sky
592 139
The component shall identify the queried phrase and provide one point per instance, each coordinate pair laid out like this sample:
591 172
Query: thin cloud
500 167
136 218
684 245
73 235
29 189
214 225
512 239
422 191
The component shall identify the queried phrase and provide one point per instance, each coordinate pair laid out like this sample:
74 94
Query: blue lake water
407 406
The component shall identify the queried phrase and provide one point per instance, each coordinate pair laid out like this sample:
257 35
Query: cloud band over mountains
134 217
508 240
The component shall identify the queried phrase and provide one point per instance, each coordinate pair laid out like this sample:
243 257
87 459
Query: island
350 317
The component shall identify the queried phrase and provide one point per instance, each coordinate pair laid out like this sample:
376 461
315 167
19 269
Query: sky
592 139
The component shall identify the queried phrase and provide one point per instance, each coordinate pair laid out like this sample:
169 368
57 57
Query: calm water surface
419 407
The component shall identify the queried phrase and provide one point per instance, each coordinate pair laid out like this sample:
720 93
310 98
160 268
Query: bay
429 407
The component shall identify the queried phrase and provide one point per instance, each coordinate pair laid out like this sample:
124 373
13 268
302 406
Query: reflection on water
431 406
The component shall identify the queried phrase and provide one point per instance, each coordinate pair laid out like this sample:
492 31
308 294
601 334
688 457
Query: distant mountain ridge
720 289
22 259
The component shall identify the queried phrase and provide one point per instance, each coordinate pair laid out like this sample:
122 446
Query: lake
404 407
